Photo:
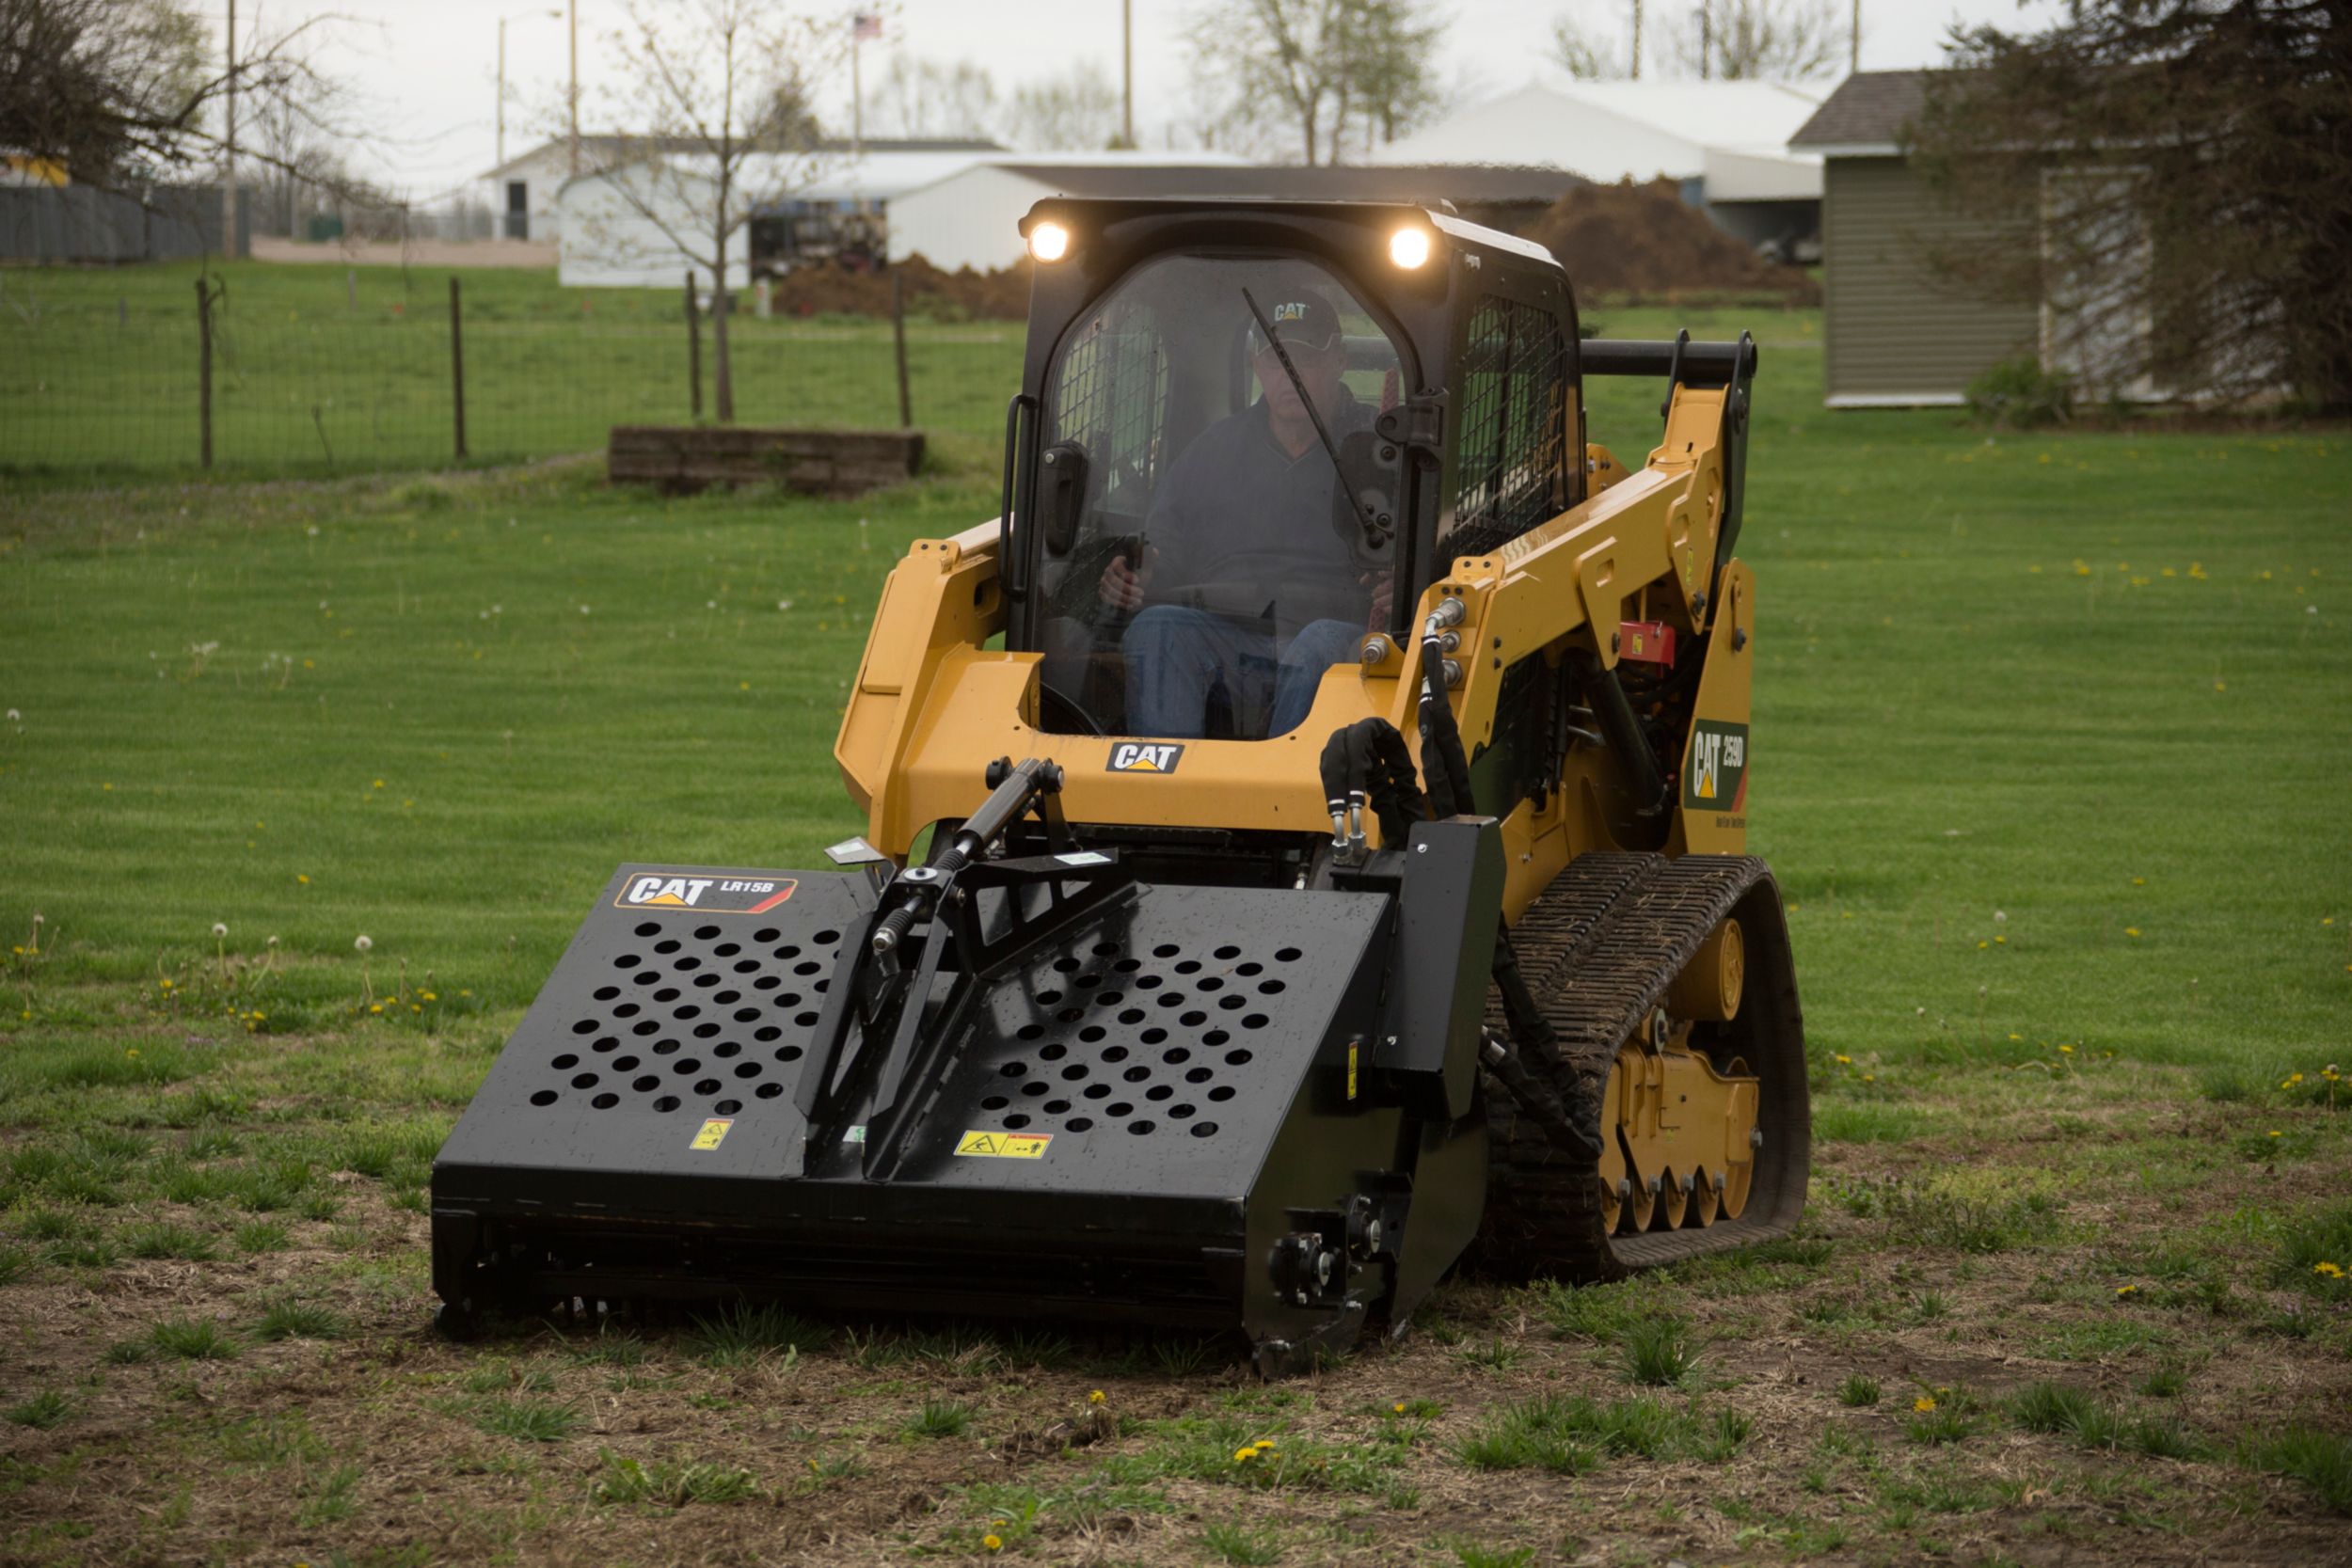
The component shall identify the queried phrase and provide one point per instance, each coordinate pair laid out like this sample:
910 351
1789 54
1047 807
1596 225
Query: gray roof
598 149
1870 109
1465 184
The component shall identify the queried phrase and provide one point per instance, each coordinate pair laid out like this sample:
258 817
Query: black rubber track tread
1598 949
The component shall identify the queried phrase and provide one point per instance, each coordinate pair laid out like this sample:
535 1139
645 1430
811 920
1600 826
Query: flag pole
857 92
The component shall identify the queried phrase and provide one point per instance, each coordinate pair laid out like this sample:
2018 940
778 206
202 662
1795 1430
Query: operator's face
1320 369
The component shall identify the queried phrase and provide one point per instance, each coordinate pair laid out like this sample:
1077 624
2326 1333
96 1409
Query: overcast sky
425 72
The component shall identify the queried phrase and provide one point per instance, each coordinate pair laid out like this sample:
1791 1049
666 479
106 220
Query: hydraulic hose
1444 766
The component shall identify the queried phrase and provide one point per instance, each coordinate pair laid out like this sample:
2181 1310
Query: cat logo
667 893
1717 777
1144 756
1291 311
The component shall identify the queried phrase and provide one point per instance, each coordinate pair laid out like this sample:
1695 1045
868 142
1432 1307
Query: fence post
457 363
898 337
693 347
204 368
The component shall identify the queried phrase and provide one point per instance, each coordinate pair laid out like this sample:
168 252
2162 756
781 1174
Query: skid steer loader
1303 847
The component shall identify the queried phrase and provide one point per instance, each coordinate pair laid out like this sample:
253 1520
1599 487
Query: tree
1594 54
125 92
1779 40
2174 179
923 98
1311 68
1076 111
712 90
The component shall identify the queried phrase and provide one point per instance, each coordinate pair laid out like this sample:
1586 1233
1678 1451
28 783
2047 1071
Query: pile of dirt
960 296
1646 240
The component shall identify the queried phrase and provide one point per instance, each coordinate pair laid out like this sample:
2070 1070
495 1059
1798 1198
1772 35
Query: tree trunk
722 366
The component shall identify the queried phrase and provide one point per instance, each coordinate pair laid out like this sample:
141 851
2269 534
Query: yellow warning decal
1005 1146
1351 1069
713 1133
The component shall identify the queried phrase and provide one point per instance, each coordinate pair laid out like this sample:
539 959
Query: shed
1893 336
970 218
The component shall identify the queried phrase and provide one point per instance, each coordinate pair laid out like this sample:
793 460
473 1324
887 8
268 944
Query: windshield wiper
1356 508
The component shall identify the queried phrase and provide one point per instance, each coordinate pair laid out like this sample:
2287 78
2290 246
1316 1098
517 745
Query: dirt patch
1645 240
964 295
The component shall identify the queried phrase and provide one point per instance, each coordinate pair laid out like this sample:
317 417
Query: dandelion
2140 881
132 1052
166 985
363 945
1243 1455
1869 1077
2130 930
1924 1404
993 1542
15 718
2125 1289
2066 1051
379 783
1980 946
2000 942
2000 916
1845 1061
376 1007
219 928
1097 1397
2017 1036
303 881
2330 1270
2275 1133
1398 1407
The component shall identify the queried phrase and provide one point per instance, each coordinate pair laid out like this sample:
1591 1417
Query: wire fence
324 369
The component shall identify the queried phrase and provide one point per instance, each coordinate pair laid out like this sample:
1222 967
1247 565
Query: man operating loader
1246 591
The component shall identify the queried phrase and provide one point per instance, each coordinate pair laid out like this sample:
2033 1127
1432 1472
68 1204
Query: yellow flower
2274 1133
2330 1270
379 783
1242 1455
1923 1404
429 996
1398 1407
2066 1049
132 1052
993 1542
1869 1077
2017 1036
376 1007
2140 881
2125 1289
2130 930
304 880
1980 946
166 985
1845 1061
1096 1397
2001 941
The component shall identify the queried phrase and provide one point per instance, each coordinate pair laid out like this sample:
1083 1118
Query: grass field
2051 757
320 369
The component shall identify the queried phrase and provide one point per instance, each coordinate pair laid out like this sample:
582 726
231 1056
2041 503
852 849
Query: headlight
1409 247
1049 241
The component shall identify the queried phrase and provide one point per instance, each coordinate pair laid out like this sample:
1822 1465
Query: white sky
425 72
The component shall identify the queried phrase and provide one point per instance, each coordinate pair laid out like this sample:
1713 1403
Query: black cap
1302 320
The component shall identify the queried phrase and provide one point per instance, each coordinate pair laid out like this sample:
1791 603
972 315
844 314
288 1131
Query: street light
516 16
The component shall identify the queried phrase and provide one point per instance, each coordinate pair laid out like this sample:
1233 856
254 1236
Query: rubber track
1598 949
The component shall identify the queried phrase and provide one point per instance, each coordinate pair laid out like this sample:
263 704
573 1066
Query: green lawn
324 369
2051 747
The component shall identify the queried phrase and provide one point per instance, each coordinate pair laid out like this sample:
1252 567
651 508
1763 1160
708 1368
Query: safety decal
1145 757
713 1133
1351 1069
1717 776
1005 1146
705 892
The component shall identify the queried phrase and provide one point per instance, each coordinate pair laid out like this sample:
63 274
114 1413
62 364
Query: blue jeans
1176 656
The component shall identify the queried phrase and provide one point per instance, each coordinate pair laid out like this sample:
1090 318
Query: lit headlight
1049 241
1409 247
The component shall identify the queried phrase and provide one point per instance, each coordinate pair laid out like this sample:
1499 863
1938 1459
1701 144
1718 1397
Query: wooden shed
1893 338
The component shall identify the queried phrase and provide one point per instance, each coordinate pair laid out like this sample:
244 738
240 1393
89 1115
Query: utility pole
1127 73
1854 59
574 8
1707 40
229 183
857 92
1636 73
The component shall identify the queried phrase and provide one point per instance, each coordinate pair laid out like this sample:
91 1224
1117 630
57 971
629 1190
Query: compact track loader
1303 847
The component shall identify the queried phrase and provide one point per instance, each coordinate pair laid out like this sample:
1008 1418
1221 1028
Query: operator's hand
1383 586
1122 585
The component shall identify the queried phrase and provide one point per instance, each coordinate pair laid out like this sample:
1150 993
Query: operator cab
1250 434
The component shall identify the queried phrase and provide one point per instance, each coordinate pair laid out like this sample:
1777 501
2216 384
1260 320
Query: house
970 217
1725 142
616 225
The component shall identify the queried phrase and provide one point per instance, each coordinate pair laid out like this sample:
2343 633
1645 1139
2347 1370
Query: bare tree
1587 54
1781 40
125 92
713 94
1311 68
920 97
1076 111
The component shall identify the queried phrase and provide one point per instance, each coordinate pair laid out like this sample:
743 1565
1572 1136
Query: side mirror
1062 497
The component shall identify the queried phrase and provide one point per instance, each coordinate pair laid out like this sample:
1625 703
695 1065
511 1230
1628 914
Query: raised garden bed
680 458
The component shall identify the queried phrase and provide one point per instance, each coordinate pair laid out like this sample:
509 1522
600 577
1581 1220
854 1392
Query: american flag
865 26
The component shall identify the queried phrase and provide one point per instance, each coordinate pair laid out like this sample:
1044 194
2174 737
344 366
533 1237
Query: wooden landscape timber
680 459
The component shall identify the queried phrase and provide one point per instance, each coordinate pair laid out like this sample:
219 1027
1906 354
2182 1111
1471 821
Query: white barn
615 225
1725 142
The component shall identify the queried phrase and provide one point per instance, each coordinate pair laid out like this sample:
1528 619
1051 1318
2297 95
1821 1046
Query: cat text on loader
1302 851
